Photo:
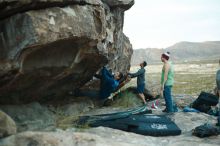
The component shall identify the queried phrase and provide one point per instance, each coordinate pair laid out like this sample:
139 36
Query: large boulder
126 4
77 107
49 47
7 125
31 116
11 7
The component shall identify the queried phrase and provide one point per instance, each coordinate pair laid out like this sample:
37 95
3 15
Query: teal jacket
140 74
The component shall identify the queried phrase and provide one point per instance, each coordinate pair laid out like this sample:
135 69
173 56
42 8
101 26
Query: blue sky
162 23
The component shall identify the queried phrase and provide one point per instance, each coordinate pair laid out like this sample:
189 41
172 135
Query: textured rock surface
11 7
111 137
7 125
30 117
77 107
53 46
126 4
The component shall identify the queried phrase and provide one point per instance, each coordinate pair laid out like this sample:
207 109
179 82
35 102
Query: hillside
182 51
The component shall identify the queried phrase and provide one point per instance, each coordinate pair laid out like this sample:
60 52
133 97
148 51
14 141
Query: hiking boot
111 97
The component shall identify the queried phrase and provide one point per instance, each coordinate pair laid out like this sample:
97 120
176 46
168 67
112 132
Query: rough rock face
30 117
49 47
77 108
7 125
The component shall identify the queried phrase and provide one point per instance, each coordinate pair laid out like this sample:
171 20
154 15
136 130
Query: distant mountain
151 55
182 51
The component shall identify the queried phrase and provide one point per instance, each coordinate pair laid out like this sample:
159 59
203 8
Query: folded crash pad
135 120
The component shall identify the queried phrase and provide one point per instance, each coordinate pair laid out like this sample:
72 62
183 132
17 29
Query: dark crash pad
204 102
137 122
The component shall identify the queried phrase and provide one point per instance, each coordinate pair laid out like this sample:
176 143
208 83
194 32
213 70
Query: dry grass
189 78
126 99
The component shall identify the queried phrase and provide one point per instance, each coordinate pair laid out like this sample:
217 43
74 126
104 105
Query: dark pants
108 84
88 93
140 88
168 98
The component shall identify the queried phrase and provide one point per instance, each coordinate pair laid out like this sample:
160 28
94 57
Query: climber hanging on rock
108 85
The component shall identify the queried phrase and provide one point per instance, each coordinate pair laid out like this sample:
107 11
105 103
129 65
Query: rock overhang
56 49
